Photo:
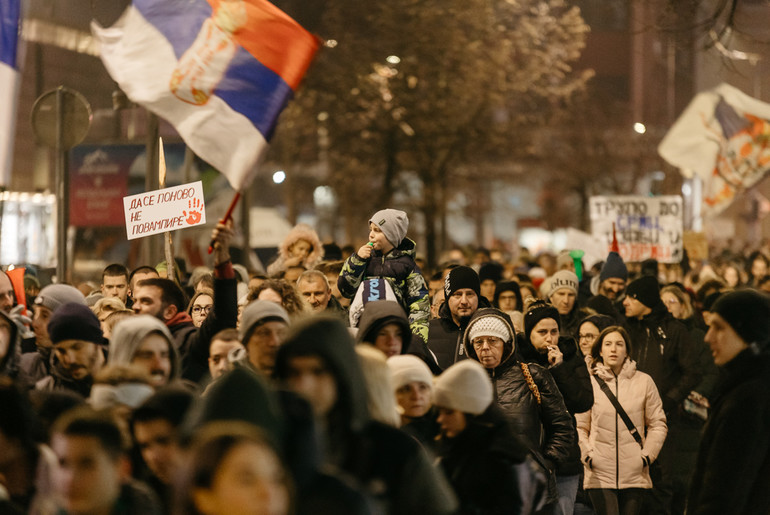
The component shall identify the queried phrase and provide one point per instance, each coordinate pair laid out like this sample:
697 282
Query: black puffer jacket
549 422
662 347
574 383
445 338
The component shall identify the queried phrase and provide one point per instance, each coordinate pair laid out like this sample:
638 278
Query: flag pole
169 244
228 215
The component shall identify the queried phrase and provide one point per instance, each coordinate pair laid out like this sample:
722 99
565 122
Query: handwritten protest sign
647 227
168 209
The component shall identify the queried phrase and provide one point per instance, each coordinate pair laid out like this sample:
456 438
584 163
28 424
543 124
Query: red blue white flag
723 137
220 71
10 20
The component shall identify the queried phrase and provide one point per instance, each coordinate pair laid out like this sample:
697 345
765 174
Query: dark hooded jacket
128 334
379 313
287 421
59 379
481 465
732 475
386 464
548 421
662 347
574 383
445 338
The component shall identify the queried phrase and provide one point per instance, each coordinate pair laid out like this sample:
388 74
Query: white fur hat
465 386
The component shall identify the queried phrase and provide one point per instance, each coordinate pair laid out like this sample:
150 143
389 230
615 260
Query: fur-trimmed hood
307 233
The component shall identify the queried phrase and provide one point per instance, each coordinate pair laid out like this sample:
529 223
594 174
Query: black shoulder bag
655 472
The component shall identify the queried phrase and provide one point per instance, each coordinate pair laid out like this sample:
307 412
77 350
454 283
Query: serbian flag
220 71
723 137
10 19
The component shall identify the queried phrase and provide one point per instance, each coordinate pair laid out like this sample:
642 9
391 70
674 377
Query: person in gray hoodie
146 341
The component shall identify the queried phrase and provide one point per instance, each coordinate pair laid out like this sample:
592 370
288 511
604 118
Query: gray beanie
258 311
393 223
559 280
465 386
55 295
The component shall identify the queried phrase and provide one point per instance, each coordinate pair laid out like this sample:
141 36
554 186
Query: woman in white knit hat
485 463
413 386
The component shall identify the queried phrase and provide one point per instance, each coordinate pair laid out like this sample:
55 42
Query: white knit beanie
465 386
559 280
489 326
405 369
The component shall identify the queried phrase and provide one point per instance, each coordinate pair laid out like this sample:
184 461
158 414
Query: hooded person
526 393
663 348
732 474
287 422
541 343
384 325
486 463
508 299
78 349
145 341
301 247
319 362
461 300
262 330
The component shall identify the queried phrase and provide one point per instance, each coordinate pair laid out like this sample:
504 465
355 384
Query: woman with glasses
200 306
589 330
527 393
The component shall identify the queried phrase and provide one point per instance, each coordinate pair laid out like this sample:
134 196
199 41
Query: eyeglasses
587 337
202 309
491 341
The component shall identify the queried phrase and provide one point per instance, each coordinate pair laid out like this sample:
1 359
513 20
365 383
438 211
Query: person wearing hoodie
508 300
78 350
542 344
462 299
287 421
164 300
527 393
262 331
301 247
664 349
145 341
384 325
318 361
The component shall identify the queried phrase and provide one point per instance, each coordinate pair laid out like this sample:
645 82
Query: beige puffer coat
616 459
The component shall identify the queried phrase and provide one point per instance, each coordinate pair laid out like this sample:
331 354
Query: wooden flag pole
228 216
169 246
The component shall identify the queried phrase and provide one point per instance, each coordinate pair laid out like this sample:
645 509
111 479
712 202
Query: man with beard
461 291
145 341
164 300
78 350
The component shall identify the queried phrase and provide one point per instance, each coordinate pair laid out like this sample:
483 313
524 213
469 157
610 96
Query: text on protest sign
646 227
164 210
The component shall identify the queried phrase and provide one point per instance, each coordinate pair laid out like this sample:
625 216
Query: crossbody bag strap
623 415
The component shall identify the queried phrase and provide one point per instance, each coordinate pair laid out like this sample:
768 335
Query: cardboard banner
164 210
647 227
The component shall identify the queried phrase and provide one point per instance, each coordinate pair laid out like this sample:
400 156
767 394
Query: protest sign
647 227
168 209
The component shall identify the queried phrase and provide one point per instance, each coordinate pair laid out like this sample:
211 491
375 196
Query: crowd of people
371 384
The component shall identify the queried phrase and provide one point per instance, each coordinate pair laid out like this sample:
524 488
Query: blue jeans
567 487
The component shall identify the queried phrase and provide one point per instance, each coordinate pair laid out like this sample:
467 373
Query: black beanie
490 270
75 321
537 312
646 290
461 277
748 313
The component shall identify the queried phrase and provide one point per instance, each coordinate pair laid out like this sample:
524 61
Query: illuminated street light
393 59
640 128
279 177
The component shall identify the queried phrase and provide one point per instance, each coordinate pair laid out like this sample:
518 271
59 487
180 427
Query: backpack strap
623 415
